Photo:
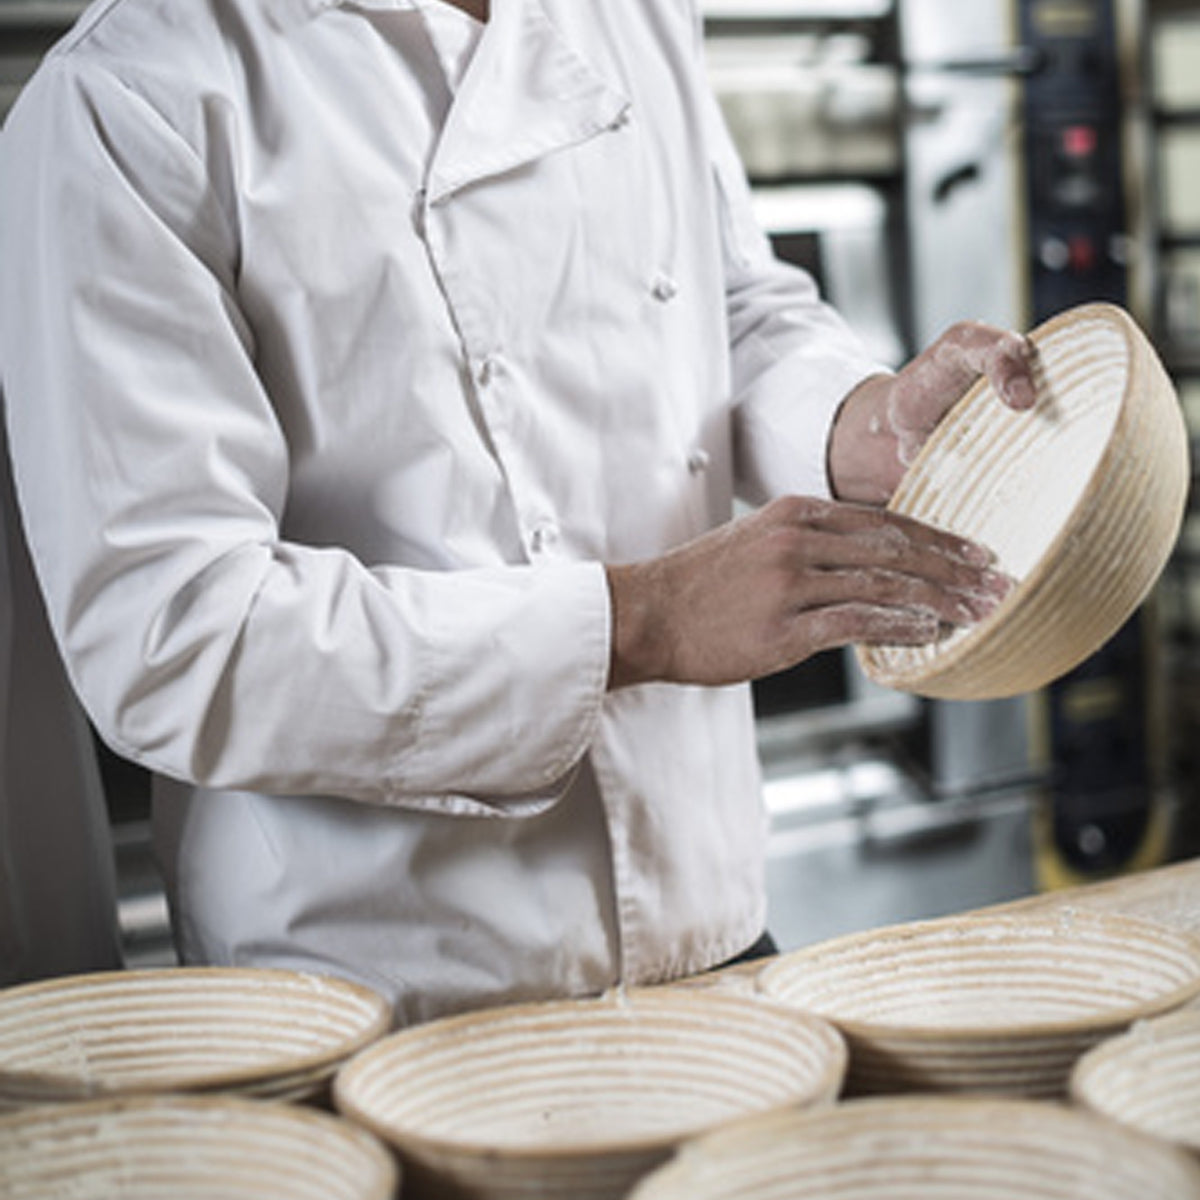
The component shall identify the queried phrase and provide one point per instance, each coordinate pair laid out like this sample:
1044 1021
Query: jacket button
663 288
489 368
698 460
542 537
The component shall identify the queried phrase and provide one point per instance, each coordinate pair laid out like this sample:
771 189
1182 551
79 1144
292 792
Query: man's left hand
885 421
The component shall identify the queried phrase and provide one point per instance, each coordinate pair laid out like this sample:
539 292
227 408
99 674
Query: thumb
933 382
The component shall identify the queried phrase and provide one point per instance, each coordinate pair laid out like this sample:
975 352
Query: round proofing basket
997 1004
267 1032
1081 499
580 1098
189 1148
926 1148
1147 1078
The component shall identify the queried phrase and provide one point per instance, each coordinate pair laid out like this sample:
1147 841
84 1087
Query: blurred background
928 161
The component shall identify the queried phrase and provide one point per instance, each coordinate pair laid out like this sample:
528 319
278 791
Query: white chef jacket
350 380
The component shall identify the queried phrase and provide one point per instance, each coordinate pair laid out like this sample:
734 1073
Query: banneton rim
949 1147
1148 1078
1004 1004
262 1031
189 1148
1081 498
581 1097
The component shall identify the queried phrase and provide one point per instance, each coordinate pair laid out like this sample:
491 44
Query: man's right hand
800 575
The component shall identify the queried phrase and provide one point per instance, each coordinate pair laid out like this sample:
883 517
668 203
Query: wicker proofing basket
926 1148
1002 1005
580 1098
1148 1078
189 1148
274 1033
1081 499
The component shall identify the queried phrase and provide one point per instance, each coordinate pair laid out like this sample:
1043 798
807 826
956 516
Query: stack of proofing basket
185 1083
986 1057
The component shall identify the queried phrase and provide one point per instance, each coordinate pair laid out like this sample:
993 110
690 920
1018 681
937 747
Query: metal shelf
1167 117
1181 360
39 14
797 10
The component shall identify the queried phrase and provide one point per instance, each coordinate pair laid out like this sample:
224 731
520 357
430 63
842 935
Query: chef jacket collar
554 97
527 92
560 99
303 10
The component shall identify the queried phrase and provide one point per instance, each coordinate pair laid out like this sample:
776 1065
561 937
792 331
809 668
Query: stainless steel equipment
857 842
28 28
1172 98
807 103
882 807
840 232
1025 185
1026 194
1016 190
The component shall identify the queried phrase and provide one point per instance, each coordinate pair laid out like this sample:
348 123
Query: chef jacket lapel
526 94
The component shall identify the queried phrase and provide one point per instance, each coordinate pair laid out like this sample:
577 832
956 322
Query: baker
379 376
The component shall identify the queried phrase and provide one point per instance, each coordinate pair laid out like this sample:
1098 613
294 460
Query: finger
972 349
937 378
891 589
888 570
885 537
867 624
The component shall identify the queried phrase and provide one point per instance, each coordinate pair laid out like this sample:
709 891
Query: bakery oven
932 161
1027 191
882 807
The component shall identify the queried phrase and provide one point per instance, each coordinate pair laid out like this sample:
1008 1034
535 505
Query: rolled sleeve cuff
513 705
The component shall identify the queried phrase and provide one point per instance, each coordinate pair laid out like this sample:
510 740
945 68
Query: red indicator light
1081 254
1079 141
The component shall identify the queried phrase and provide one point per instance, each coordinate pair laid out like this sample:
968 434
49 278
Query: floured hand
886 420
799 576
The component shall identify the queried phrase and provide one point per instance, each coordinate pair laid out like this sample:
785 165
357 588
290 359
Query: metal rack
28 28
1171 50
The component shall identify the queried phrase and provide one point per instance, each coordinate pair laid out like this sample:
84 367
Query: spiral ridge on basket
580 1098
1147 1078
267 1032
1081 499
998 1004
926 1148
189 1148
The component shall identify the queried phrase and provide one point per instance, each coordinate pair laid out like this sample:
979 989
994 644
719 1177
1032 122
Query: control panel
1073 154
1106 808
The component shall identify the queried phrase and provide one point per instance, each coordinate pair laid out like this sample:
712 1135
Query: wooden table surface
1169 895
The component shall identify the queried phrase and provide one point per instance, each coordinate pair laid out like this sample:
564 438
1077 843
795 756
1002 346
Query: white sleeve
153 472
794 358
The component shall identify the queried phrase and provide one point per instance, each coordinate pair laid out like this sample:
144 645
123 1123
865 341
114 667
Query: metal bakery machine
932 161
